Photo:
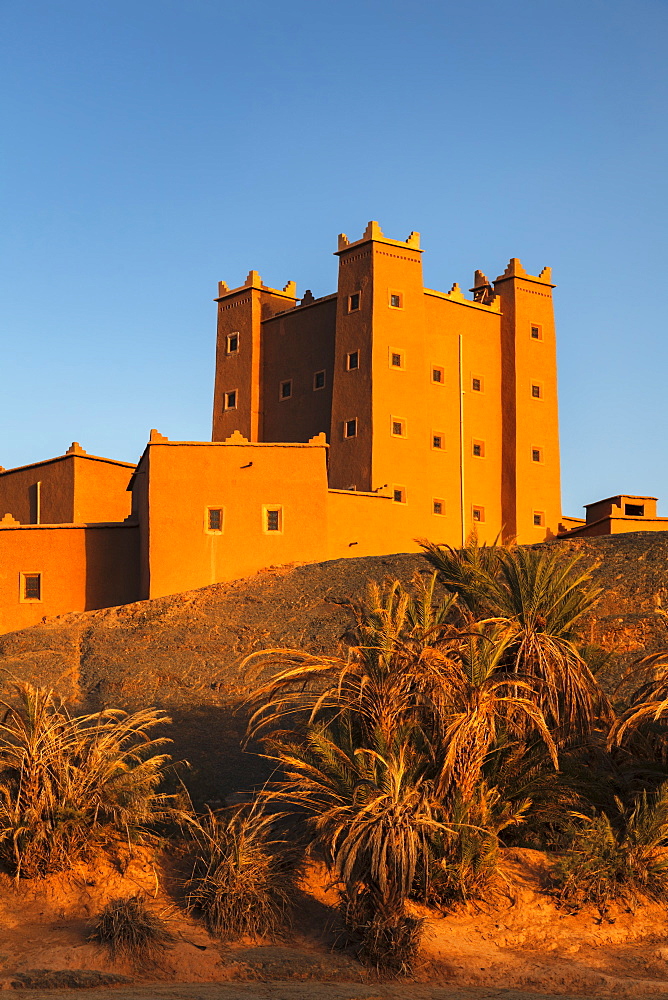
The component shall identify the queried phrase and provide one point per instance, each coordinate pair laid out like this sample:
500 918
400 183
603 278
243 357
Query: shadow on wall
111 566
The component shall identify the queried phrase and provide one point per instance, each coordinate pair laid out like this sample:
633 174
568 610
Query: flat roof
615 496
59 458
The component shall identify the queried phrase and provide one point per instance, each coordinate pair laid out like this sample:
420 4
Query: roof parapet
374 232
253 280
515 270
75 449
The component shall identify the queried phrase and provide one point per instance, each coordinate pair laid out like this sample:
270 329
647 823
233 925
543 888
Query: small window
396 300
438 507
214 519
536 332
437 440
479 449
319 380
286 389
438 374
478 514
353 302
232 343
231 400
536 454
350 428
399 494
398 427
272 518
536 390
634 510
353 361
397 359
538 518
476 383
31 587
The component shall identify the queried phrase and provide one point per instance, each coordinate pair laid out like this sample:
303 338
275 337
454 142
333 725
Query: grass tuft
129 930
244 880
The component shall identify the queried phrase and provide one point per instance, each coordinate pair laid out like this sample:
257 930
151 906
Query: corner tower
531 490
238 384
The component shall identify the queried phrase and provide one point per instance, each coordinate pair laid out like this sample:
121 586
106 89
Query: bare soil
523 943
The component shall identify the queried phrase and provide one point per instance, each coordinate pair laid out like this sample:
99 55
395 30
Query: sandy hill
183 652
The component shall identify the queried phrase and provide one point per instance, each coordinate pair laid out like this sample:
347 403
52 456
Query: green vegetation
465 714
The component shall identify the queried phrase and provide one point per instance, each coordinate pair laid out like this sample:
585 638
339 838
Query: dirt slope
183 652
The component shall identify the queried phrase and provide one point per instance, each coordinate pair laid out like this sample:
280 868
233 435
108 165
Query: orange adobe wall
73 488
243 480
80 568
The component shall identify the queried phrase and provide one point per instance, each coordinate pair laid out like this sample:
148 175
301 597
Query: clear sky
152 147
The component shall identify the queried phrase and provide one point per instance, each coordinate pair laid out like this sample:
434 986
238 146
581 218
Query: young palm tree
64 778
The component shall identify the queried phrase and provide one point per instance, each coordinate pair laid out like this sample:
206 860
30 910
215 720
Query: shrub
244 880
129 929
621 861
65 779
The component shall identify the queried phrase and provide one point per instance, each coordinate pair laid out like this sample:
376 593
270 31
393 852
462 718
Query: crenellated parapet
373 232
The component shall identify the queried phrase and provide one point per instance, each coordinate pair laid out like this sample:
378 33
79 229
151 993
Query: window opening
634 510
319 380
439 507
286 389
438 375
232 343
350 428
354 302
31 586
353 361
231 400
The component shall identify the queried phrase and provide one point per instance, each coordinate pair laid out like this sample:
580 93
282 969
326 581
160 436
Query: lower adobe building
347 425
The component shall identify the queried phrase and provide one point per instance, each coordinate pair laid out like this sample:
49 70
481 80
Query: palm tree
539 595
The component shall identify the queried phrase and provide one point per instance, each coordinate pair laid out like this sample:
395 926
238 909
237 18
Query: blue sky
152 147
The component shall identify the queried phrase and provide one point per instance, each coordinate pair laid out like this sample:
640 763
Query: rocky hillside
183 652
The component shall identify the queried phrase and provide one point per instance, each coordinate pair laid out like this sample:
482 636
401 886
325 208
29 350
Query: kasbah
349 425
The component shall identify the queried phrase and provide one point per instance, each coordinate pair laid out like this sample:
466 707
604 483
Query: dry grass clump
129 930
244 878
66 780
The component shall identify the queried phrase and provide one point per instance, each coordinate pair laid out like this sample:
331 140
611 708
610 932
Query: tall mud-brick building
350 425
445 404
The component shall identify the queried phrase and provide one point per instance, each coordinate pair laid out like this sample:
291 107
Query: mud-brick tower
237 403
531 463
381 366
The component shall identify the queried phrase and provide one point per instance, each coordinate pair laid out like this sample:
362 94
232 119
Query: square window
350 428
438 374
214 519
353 361
272 518
536 454
231 400
286 389
30 586
479 449
319 380
399 494
536 391
397 358
438 507
398 427
536 332
538 518
354 302
437 441
478 514
396 300
232 343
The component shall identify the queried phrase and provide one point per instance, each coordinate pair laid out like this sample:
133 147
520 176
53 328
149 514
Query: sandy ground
296 991
521 947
